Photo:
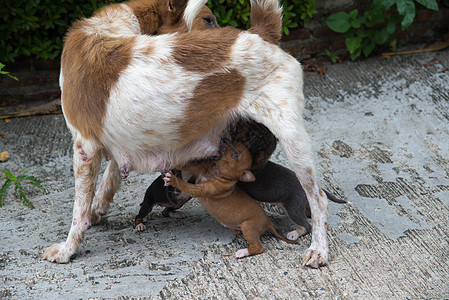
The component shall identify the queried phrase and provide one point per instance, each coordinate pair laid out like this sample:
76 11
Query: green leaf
339 22
353 14
356 23
356 54
3 191
353 44
381 36
430 4
407 9
391 26
382 4
367 47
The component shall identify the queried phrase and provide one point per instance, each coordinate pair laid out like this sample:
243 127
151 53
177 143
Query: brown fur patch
205 51
91 65
148 13
213 99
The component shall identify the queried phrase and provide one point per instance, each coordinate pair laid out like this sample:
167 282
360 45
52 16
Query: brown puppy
217 192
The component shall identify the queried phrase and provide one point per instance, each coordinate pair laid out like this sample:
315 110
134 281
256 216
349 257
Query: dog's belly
153 142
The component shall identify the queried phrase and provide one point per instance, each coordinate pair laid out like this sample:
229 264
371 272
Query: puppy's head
235 162
167 16
175 23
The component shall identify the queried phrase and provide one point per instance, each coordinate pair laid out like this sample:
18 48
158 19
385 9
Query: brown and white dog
155 102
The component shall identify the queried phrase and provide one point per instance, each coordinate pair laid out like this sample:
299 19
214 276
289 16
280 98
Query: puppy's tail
192 10
332 198
273 229
266 20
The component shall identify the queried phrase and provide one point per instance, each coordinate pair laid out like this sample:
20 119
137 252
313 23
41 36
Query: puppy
166 196
279 185
217 192
153 103
275 184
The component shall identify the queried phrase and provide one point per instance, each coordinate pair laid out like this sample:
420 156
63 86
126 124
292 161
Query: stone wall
38 80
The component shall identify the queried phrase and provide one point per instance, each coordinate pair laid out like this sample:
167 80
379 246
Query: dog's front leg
86 166
105 193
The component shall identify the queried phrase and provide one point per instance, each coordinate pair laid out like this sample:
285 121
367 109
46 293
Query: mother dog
152 103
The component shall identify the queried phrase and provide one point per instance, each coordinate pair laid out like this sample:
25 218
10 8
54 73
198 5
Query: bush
236 12
35 28
376 26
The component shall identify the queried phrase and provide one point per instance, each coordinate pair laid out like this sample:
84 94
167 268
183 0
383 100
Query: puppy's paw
167 179
58 253
293 235
141 227
316 256
242 253
177 214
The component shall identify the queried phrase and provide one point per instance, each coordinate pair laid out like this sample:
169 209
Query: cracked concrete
380 130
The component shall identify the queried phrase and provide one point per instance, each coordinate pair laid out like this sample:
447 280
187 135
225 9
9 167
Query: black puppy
166 196
279 185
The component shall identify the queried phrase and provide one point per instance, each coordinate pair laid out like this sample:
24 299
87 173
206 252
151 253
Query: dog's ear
247 176
176 6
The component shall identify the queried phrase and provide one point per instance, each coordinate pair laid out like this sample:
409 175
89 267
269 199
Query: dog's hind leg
86 166
295 209
279 107
297 146
251 230
105 193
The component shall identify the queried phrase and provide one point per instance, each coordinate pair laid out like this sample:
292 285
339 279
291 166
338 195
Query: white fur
241 253
192 9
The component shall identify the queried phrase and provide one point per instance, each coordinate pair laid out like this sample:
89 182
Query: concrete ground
380 130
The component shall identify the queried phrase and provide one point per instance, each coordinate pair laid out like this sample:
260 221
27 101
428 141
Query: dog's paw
315 256
177 215
295 234
100 208
141 227
58 253
97 212
125 170
242 253
292 235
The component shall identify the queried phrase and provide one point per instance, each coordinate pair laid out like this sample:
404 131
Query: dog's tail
273 229
192 10
266 20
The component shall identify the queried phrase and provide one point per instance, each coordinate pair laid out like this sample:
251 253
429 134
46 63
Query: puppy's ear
176 5
247 176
